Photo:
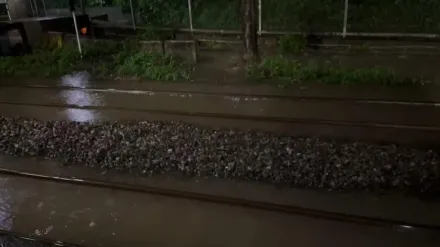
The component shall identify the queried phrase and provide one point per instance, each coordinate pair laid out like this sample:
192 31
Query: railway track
428 131
268 96
289 96
426 95
399 227
230 201
374 119
237 117
34 240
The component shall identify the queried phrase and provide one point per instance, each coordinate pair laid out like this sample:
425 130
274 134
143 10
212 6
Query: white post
32 8
190 16
36 8
344 29
132 15
7 10
77 33
259 17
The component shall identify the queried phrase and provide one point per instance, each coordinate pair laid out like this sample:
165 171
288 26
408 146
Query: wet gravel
170 147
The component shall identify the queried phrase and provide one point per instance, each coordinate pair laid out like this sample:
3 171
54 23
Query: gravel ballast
11 241
170 147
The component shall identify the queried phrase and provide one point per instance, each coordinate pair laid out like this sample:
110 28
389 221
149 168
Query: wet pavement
103 217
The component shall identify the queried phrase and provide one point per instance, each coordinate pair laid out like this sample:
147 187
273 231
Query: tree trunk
249 10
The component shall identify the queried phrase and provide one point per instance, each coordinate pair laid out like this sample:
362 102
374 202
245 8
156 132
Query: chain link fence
356 17
394 16
403 17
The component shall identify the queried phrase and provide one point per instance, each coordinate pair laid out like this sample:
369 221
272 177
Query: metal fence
390 18
38 7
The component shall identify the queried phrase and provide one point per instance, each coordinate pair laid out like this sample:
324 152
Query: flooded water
307 117
103 217
389 207
81 104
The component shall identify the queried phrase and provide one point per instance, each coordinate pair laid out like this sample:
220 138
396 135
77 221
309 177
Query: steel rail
37 239
237 117
285 96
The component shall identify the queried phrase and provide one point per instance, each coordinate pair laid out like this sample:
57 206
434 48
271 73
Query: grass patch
152 34
41 62
359 48
288 71
291 44
101 59
153 66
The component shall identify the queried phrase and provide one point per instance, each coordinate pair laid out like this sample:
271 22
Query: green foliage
394 15
168 13
303 15
41 62
216 14
153 66
153 34
291 72
148 35
102 59
292 44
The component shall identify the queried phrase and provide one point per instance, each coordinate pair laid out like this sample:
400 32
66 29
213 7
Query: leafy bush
41 62
153 66
292 43
102 59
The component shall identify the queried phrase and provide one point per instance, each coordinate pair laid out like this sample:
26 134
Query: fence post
259 17
32 8
190 16
7 10
132 15
36 8
195 44
44 7
75 24
344 29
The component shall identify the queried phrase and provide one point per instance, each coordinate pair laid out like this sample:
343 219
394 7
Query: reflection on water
6 220
77 79
79 97
81 115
